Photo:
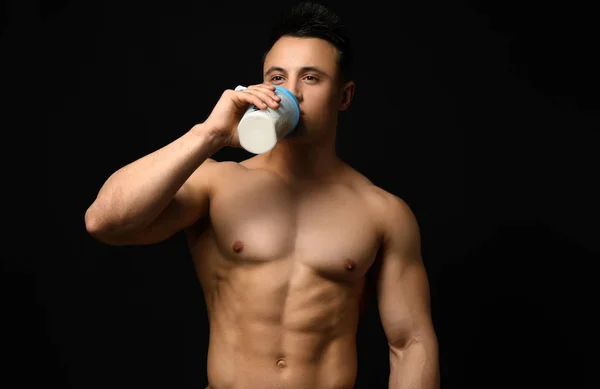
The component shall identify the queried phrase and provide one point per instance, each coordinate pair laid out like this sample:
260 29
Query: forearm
415 366
135 195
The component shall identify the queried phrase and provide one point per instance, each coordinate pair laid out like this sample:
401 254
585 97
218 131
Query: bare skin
283 269
288 244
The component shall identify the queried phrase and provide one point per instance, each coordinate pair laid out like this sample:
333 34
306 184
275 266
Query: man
283 242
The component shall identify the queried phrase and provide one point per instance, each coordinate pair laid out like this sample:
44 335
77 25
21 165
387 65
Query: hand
232 105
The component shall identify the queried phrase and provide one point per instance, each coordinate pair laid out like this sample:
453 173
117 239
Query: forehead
292 53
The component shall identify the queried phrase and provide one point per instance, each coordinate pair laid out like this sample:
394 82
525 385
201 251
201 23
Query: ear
347 95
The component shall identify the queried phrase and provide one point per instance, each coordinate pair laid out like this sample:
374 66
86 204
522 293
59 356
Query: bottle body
260 130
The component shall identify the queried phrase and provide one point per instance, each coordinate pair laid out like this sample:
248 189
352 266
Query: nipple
238 246
349 265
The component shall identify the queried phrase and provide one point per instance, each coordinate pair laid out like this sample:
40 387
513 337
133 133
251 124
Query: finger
268 89
264 96
264 86
250 98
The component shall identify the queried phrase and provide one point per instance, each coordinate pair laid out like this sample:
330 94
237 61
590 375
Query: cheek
320 104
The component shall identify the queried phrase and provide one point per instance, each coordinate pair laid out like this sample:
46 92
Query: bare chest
328 228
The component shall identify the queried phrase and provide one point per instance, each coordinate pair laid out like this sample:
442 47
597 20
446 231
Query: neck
297 160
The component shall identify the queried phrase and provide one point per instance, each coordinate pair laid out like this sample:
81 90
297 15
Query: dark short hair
313 20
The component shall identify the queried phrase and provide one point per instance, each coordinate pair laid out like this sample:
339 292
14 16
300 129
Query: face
308 67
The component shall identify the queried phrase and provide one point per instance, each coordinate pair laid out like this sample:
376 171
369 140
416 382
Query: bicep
404 300
183 211
403 287
190 203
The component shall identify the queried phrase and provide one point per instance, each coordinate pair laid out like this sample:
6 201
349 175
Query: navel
281 363
350 265
238 246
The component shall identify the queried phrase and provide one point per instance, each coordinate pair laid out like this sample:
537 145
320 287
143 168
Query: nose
298 97
293 84
295 91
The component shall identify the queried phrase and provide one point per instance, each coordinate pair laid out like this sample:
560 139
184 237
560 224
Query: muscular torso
283 270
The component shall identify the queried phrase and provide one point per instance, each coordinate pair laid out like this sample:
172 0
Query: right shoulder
213 164
221 166
211 173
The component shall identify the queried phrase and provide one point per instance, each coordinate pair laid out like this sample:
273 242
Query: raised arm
163 192
404 302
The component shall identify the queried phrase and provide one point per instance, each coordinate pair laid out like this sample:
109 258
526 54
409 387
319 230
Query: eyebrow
303 69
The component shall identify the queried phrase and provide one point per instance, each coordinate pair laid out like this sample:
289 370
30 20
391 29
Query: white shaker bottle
260 130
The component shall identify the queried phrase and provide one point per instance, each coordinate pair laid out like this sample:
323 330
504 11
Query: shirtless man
283 242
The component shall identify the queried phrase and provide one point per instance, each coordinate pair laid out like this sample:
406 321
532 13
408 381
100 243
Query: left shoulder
390 212
393 216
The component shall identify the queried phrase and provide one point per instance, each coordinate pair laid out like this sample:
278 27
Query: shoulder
218 169
214 166
392 215
225 165
391 211
385 206
396 224
209 178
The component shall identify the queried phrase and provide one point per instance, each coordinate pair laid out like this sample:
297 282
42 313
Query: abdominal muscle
280 325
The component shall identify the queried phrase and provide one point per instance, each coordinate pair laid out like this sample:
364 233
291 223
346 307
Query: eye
276 78
311 79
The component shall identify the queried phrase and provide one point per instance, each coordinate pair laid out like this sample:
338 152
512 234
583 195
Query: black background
482 115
